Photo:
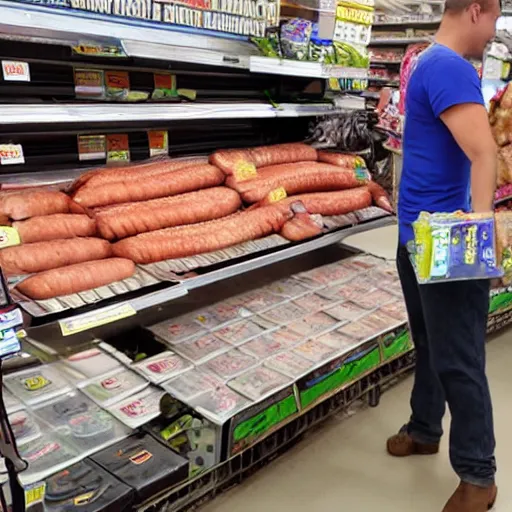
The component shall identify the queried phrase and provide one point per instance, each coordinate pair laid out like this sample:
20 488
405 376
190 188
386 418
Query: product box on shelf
500 309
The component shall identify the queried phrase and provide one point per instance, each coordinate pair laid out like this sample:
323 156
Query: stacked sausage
115 217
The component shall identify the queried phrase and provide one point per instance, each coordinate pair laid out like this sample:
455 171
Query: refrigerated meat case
106 384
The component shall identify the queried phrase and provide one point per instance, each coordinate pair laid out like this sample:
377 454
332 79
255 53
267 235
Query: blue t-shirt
436 172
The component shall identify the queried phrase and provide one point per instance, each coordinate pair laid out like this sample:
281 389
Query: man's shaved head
456 6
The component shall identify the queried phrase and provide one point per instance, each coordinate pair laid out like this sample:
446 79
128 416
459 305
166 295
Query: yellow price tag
276 195
8 237
35 494
245 171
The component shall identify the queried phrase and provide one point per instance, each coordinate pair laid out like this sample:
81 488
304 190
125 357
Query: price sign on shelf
353 33
158 143
92 147
11 154
34 494
15 71
118 148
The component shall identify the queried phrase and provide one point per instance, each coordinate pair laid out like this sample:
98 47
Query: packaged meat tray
362 262
284 314
199 350
346 291
230 364
373 299
379 320
80 422
271 343
177 330
24 426
87 487
395 310
191 384
219 404
12 404
290 364
240 332
326 275
260 300
258 383
338 341
45 455
218 315
90 364
145 465
360 331
139 408
37 384
113 387
163 366
315 351
287 288
314 325
346 311
312 302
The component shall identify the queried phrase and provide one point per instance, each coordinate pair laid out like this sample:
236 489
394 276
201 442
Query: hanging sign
15 71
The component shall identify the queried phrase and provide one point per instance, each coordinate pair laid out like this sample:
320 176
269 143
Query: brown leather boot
471 498
402 445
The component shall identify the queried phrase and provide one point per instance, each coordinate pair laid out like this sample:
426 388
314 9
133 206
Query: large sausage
103 176
25 204
297 179
345 160
53 227
301 227
168 184
134 218
380 196
232 160
332 203
76 278
201 238
39 256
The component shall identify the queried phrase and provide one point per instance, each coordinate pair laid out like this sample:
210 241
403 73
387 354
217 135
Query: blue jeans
448 325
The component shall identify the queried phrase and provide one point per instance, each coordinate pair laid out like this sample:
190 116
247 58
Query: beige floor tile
343 466
380 242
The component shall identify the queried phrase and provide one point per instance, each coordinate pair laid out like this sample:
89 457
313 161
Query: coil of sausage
380 196
201 238
168 184
297 179
76 278
301 227
40 256
233 159
103 176
134 218
54 227
26 204
341 159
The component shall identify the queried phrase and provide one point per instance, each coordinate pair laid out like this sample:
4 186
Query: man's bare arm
469 125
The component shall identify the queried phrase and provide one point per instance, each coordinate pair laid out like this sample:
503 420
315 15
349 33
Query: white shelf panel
399 41
122 113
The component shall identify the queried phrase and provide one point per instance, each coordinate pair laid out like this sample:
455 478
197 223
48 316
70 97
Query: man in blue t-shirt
450 164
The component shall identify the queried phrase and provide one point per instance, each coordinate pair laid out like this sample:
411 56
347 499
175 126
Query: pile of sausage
112 218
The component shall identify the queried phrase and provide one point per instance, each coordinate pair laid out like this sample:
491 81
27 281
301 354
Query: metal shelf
399 41
87 113
407 23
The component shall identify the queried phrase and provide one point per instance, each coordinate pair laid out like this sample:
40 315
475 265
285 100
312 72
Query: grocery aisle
342 465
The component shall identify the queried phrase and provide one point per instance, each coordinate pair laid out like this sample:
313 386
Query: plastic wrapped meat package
396 310
219 314
260 300
315 351
163 366
289 364
139 408
80 422
380 320
258 383
360 331
362 262
113 387
272 343
191 385
177 330
240 332
344 291
219 404
12 404
373 299
395 288
312 302
89 364
325 275
37 384
287 288
313 325
230 364
284 314
24 426
346 311
338 341
199 350
45 455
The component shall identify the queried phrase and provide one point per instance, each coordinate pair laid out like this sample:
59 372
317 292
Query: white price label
353 33
15 71
11 154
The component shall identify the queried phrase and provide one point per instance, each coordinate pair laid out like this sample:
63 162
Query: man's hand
469 125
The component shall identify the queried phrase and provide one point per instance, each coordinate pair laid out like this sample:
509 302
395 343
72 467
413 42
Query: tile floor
342 465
